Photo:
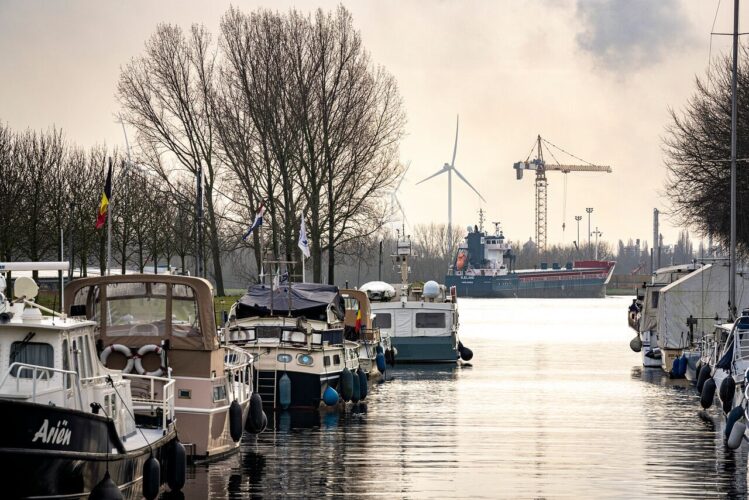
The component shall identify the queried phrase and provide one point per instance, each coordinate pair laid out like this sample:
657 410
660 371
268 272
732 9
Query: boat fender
105 489
379 349
122 349
726 393
380 360
465 353
697 368
255 419
390 356
737 435
139 363
235 421
265 422
702 377
636 343
733 416
151 478
330 396
176 473
347 382
355 388
708 393
284 391
363 385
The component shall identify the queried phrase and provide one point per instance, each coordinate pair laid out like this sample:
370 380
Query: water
555 405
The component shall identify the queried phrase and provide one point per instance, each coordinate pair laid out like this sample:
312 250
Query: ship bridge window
31 353
383 320
430 320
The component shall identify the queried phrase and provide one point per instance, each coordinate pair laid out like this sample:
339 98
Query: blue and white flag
303 243
257 223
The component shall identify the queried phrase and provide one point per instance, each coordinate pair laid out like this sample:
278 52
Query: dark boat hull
306 388
49 451
542 284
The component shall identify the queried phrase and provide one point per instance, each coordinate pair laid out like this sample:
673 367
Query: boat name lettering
57 434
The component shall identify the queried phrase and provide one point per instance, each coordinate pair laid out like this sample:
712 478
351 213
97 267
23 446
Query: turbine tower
450 168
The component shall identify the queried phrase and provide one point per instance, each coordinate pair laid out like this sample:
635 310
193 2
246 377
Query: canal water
554 405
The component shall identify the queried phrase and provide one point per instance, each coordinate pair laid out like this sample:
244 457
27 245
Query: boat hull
75 465
306 388
426 349
563 283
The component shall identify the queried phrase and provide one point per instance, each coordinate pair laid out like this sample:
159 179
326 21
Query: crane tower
541 167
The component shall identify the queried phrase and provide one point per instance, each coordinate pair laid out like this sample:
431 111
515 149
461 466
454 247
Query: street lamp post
590 211
578 218
597 233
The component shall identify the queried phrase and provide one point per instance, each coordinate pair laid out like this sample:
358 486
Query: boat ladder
267 383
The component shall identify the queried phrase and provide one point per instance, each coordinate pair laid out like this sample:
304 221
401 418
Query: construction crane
541 167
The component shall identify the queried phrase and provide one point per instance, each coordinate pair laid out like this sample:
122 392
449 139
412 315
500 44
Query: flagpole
304 275
109 222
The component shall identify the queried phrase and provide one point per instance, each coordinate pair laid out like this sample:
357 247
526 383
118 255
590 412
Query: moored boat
296 333
423 322
165 325
375 346
71 426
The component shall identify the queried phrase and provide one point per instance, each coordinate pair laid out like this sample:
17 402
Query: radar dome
431 289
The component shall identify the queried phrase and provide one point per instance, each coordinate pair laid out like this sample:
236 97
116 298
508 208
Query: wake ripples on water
555 405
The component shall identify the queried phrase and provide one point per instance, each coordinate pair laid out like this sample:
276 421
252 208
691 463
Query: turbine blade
441 171
469 184
403 212
455 148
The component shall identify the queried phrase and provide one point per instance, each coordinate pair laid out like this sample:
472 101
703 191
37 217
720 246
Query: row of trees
50 190
286 111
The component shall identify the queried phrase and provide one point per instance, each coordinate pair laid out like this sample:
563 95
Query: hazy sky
594 77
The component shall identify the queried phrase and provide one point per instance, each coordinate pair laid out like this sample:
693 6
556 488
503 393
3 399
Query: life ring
139 363
122 349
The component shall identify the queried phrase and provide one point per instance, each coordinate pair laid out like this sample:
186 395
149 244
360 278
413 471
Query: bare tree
167 95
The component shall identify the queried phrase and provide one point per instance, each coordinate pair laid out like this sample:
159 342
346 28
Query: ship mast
732 254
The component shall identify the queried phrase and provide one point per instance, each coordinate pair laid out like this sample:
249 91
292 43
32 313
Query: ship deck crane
541 167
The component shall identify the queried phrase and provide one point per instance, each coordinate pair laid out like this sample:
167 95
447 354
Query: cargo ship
484 267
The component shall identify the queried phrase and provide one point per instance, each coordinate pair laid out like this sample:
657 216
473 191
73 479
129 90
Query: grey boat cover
310 300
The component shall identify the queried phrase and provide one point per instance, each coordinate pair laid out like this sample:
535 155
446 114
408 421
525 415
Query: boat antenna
481 220
496 227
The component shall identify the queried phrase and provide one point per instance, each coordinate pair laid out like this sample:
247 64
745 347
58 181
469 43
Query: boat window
654 299
136 309
219 393
284 358
31 353
185 318
65 359
430 320
383 320
76 357
336 359
87 369
326 360
351 303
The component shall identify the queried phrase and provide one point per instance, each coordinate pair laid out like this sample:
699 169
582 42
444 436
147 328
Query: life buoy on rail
122 349
139 363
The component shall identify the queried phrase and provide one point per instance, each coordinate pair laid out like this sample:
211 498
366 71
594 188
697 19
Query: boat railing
44 375
236 358
160 396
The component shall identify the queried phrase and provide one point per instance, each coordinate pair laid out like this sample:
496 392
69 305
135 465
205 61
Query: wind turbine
450 168
395 203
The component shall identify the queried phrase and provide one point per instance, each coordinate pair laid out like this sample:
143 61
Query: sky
596 78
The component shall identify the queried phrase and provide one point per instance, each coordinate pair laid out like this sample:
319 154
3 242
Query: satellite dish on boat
25 287
431 290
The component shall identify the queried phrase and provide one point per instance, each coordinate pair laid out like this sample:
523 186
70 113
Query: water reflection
555 405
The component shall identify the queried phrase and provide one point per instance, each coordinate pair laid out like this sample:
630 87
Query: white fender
139 364
122 349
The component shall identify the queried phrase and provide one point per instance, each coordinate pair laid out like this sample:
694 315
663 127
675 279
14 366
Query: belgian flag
357 325
101 216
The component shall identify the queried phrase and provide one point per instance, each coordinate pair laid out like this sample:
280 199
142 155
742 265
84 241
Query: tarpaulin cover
310 300
703 295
